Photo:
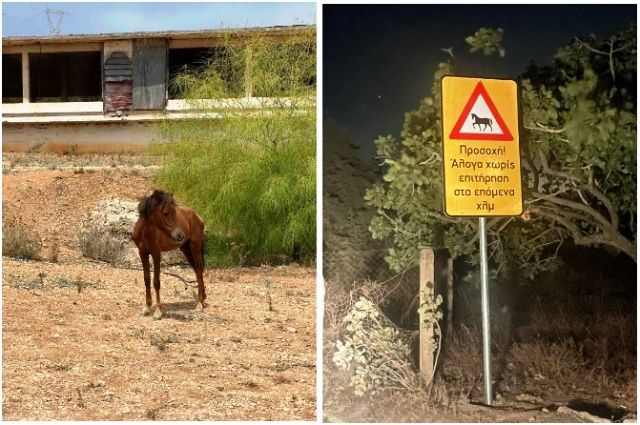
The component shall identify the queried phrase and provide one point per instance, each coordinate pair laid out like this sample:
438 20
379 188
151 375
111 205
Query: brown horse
163 226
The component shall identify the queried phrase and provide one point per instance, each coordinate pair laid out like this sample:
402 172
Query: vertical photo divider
319 258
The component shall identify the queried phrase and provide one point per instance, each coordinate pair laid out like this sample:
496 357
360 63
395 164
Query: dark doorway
12 78
66 77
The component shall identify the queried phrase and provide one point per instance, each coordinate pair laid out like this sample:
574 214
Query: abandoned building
100 93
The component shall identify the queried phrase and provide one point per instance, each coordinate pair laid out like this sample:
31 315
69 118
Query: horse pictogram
480 121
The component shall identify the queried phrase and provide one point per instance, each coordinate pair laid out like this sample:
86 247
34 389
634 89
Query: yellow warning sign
481 147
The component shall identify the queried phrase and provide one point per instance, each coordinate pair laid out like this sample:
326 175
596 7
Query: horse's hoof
201 305
146 311
157 315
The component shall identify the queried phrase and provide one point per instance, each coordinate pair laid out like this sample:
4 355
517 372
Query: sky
378 61
90 18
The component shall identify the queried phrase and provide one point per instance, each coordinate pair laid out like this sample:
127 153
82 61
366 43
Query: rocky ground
76 348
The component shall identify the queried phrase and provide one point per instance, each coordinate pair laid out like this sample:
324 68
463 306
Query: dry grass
56 340
461 366
96 243
19 240
570 350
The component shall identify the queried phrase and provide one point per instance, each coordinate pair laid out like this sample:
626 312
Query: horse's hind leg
186 250
187 254
197 251
146 268
156 283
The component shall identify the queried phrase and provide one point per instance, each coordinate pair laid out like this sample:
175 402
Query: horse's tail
202 247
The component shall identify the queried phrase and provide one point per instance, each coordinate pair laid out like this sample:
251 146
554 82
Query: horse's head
160 210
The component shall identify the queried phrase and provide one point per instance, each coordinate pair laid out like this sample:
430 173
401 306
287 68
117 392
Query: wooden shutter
149 74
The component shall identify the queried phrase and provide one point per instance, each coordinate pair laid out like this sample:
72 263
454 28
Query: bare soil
77 348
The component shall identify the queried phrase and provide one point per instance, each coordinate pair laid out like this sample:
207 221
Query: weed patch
19 241
252 178
161 341
96 243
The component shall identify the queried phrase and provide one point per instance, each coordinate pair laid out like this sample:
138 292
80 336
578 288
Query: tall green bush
247 165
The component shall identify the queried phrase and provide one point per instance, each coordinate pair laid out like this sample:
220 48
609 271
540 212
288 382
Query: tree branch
609 237
599 52
577 206
613 216
529 159
545 129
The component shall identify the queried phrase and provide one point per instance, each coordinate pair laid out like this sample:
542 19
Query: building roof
199 34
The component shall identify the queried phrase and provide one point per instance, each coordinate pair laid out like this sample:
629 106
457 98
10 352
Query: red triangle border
456 132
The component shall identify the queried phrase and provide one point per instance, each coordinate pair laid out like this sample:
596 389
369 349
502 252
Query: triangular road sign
480 119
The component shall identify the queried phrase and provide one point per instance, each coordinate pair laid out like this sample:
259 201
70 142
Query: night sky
379 60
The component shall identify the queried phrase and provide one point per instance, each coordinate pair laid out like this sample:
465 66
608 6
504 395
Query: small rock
545 410
98 383
291 330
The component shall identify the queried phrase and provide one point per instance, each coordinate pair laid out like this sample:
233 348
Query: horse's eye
166 214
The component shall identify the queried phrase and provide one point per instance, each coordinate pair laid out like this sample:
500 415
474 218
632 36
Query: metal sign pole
486 325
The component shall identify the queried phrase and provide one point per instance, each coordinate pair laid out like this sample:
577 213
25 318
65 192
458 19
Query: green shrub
248 167
19 241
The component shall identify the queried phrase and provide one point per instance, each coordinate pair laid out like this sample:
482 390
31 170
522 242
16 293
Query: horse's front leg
156 283
146 268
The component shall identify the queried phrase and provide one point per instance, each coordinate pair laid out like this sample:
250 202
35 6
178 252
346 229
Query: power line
25 21
35 27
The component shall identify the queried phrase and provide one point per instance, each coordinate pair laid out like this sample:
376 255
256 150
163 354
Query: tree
578 149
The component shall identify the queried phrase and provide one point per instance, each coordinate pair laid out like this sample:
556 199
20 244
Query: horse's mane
148 204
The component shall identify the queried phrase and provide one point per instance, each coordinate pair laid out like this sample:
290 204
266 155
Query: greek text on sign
481 147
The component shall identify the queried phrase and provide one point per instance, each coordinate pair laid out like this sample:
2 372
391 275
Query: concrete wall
109 137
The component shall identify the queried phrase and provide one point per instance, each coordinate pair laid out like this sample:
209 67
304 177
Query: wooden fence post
436 278
449 297
427 291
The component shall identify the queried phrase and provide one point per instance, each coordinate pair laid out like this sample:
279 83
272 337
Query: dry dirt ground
74 343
